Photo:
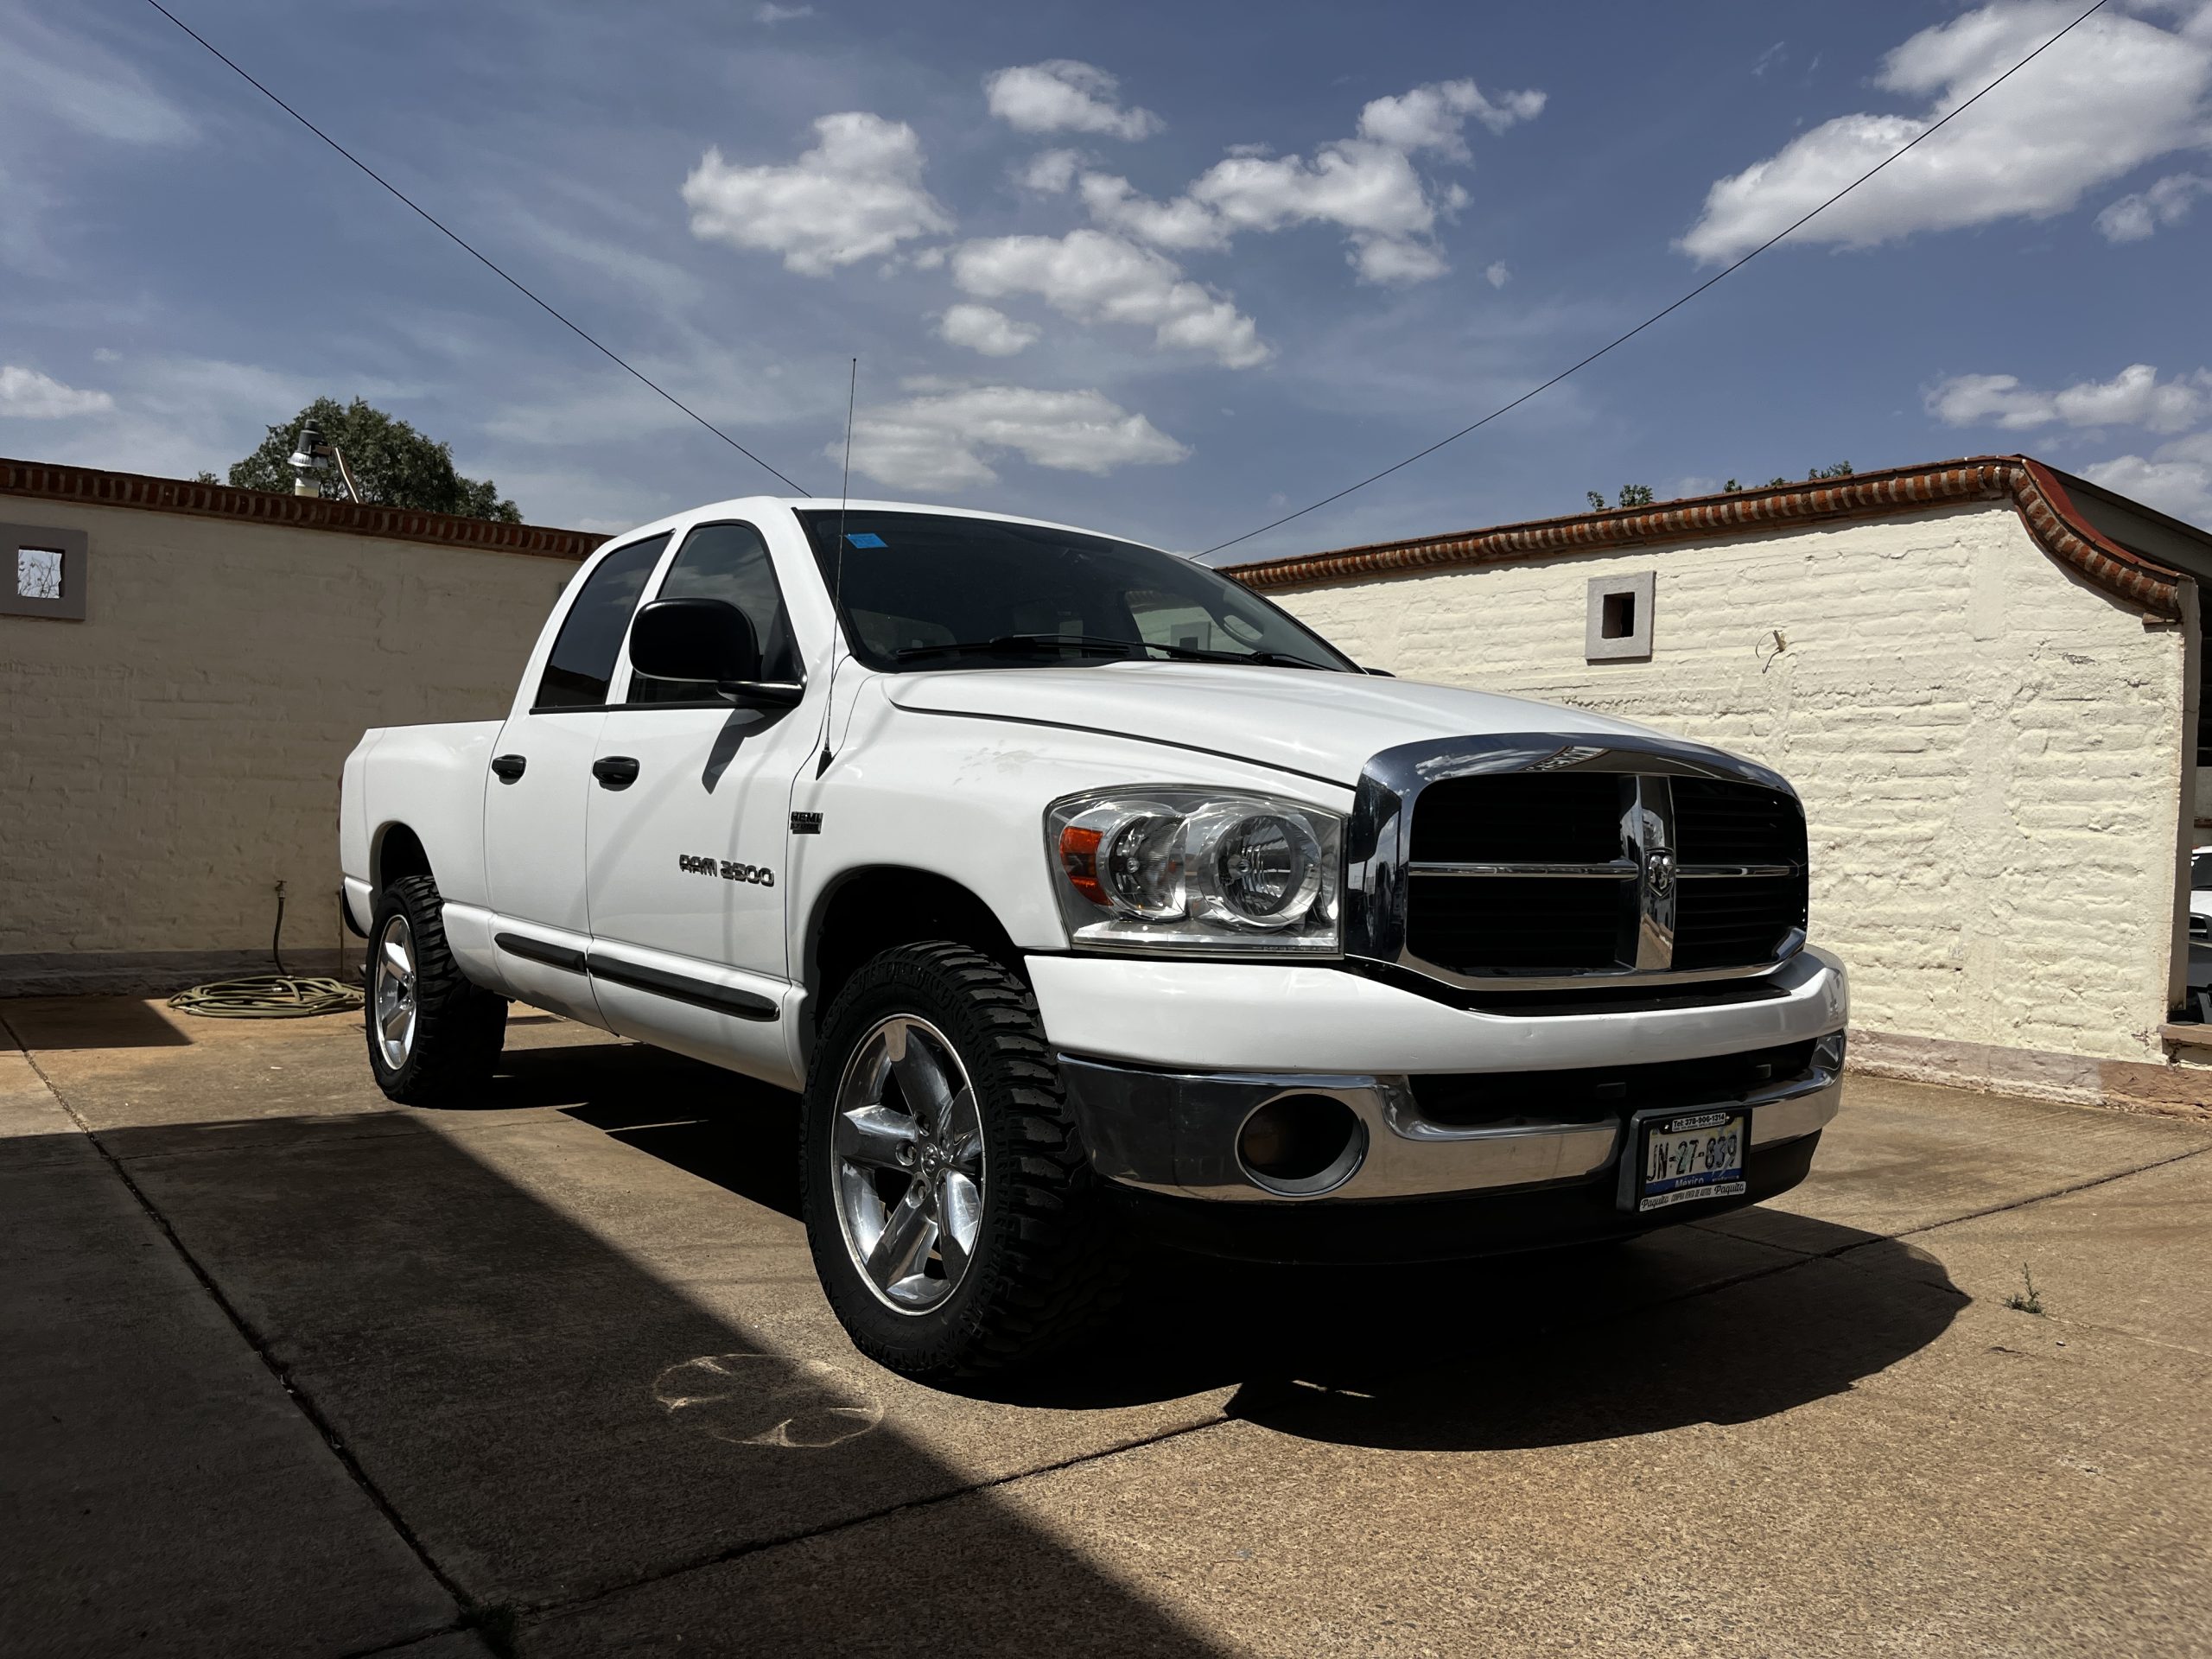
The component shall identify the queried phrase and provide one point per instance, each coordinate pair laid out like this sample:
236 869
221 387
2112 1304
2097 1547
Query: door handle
508 768
615 771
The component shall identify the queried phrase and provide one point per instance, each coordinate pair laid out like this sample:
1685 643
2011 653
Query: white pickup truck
1088 896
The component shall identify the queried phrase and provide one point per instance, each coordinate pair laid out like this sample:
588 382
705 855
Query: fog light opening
1302 1145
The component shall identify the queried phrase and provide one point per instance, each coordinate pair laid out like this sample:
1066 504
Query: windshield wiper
1022 644
1019 645
1265 658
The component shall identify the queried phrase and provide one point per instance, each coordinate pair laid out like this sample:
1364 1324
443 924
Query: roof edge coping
2033 489
90 486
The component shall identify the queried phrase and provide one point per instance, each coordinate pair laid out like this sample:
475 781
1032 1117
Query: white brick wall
1989 750
172 757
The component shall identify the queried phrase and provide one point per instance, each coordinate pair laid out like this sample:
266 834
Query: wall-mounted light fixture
316 454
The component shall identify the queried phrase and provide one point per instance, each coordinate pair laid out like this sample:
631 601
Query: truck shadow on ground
1524 1353
605 1447
1693 1325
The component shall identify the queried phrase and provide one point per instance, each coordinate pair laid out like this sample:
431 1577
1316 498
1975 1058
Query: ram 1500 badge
1087 897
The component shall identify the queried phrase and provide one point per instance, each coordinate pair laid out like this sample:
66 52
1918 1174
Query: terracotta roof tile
2035 493
47 481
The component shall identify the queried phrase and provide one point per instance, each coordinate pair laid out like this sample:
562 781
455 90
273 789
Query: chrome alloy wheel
909 1154
392 1002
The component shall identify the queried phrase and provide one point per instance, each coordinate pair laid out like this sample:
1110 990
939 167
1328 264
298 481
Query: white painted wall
166 762
1989 750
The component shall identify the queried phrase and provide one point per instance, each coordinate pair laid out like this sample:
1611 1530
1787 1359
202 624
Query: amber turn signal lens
1080 858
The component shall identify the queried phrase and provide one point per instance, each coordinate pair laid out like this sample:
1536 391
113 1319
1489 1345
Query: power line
427 219
1656 316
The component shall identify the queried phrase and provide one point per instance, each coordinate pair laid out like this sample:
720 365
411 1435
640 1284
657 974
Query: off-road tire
459 1028
1046 1267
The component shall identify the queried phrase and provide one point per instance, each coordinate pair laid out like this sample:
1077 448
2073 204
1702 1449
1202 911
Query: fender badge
806 823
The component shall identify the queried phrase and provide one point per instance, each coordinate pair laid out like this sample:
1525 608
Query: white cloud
1182 223
855 196
1095 277
2163 205
167 417
941 440
66 78
773 14
1366 185
1062 95
2117 92
27 394
983 328
1048 172
1389 261
2135 397
1429 117
1497 274
2177 477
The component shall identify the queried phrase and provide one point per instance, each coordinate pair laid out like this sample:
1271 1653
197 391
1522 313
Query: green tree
1841 469
394 464
1632 495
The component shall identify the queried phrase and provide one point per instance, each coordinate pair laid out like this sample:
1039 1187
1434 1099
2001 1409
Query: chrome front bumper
1175 1133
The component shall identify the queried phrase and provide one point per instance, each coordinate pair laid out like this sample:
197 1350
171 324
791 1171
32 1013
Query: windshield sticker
865 539
1242 629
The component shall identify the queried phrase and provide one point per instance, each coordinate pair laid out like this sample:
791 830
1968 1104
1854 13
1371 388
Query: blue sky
1162 269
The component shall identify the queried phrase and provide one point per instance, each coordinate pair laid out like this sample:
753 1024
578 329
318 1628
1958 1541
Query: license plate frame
1643 1192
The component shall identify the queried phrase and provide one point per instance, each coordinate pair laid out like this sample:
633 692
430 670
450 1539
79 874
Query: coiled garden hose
279 996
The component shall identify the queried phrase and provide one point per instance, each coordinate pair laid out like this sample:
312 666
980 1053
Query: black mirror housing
707 639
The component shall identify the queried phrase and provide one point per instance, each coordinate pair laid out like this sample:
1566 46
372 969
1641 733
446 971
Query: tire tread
1053 1271
459 1028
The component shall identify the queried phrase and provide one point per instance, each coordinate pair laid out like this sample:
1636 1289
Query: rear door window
582 664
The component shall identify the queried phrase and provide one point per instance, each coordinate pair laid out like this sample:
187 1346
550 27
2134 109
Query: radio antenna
838 581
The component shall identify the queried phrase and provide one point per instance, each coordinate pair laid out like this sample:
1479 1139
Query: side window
727 562
583 662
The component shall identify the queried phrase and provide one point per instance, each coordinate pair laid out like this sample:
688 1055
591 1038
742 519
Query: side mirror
707 639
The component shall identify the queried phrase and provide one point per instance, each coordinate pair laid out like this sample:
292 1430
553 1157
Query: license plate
1691 1156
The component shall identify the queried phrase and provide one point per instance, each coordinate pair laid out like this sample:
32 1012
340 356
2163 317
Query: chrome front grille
1525 861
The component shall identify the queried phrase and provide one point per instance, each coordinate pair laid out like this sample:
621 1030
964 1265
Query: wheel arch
873 908
394 851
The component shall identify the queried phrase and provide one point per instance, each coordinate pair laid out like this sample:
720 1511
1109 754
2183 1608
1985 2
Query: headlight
1199 870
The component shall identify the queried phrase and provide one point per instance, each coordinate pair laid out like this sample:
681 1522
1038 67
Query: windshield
2200 871
927 590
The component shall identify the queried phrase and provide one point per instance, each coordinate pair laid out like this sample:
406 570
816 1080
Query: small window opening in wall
47 577
38 573
1618 628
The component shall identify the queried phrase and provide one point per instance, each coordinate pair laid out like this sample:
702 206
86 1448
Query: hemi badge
806 823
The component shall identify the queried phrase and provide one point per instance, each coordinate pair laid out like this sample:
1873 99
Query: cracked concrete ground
288 1370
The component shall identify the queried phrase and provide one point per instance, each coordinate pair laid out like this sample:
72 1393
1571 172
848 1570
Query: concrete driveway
286 1370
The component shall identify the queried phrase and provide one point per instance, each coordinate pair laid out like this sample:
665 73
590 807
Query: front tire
954 1222
432 1036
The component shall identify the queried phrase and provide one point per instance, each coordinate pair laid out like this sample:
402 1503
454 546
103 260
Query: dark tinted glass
2200 871
916 580
727 562
583 656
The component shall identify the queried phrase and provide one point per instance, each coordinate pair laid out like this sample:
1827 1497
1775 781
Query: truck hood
1323 726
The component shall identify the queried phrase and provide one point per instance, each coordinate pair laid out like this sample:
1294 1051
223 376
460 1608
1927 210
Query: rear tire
954 1222
433 1037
